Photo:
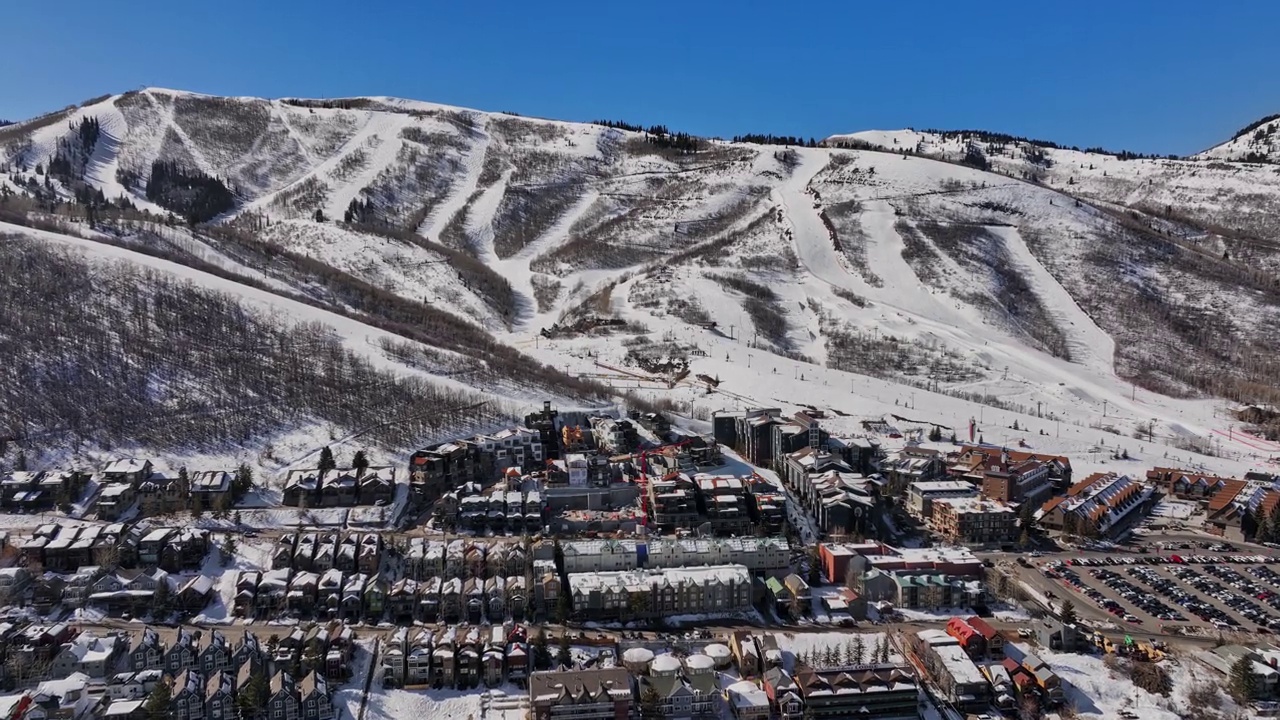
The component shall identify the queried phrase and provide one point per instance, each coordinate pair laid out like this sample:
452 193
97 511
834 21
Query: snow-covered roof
928 487
699 662
717 651
959 665
639 580
973 505
88 648
665 663
638 656
745 694
125 465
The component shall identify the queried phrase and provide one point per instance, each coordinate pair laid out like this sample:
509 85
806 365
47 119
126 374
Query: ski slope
623 214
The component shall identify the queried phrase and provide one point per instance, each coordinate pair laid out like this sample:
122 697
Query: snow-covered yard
504 703
1095 691
1000 611
1175 509
250 555
842 645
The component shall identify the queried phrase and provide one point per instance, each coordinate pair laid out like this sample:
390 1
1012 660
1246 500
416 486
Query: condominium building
920 495
973 521
603 694
1103 504
657 593
768 555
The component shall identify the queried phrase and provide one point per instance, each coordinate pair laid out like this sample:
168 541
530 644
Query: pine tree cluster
1255 125
770 139
190 193
619 124
973 157
359 211
71 157
681 142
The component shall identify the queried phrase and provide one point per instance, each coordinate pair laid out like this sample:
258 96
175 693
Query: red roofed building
994 640
974 645
1010 475
1101 505
1238 508
1187 484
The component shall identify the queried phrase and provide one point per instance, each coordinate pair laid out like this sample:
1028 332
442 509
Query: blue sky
1172 76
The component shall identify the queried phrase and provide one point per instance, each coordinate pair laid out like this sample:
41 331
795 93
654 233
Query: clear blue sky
1172 76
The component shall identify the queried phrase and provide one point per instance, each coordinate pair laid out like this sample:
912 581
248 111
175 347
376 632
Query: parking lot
1164 592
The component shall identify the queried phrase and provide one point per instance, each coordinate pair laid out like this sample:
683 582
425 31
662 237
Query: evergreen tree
162 600
564 657
229 549
1262 528
563 608
319 216
859 650
157 705
326 460
1067 613
815 568
557 555
359 462
20 462
1275 524
884 651
541 651
650 704
1243 682
244 479
252 696
935 434
1027 517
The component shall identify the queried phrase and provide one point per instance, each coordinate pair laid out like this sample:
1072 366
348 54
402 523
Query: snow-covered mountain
1049 283
1258 142
1226 203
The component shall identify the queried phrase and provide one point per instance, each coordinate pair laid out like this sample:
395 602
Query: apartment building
881 690
1103 505
921 494
601 694
974 521
955 673
767 555
838 559
665 592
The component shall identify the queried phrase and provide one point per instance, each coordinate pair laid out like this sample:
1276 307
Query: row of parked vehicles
1170 560
1056 569
1172 590
1142 599
1205 611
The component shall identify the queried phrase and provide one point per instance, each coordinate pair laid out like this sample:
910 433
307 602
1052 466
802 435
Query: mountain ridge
1021 275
